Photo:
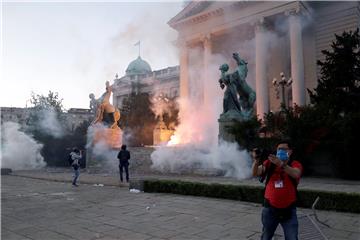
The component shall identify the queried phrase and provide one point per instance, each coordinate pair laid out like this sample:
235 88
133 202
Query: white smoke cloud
100 152
160 104
49 123
154 34
185 158
19 151
198 129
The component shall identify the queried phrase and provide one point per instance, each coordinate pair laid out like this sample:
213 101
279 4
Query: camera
261 154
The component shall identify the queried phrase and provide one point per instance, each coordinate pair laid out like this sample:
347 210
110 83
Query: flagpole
138 44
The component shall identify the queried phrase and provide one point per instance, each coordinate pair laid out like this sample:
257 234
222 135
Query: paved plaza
42 209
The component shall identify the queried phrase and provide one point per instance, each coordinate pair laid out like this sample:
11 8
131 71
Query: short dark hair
123 147
285 141
75 149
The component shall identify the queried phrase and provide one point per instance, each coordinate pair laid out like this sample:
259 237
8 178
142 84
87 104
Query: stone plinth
104 142
224 128
110 137
226 122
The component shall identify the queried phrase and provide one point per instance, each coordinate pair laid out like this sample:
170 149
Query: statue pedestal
104 141
224 126
109 137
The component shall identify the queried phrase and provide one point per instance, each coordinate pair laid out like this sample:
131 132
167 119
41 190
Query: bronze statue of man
107 113
239 98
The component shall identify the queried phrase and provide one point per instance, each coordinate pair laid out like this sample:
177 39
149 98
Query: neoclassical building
140 78
273 37
74 116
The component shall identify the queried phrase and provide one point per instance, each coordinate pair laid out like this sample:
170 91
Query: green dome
138 66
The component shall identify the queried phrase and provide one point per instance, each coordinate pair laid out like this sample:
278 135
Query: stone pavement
111 178
42 209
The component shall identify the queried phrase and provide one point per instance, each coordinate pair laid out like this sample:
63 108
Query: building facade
140 78
74 116
273 37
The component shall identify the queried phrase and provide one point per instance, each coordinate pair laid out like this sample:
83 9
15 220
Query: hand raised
275 160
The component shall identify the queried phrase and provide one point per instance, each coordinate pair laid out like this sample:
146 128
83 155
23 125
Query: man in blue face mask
282 175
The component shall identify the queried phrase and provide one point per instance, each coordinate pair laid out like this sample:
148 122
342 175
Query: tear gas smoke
152 42
100 151
49 123
195 142
160 104
19 151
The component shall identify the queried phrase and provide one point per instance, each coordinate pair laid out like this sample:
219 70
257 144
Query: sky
73 48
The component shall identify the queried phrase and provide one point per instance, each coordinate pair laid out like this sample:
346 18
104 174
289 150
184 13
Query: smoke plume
19 151
195 142
49 123
100 152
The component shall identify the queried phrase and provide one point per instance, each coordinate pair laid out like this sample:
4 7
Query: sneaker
75 185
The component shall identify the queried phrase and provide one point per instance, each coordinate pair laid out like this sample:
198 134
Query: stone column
184 71
207 55
297 59
262 92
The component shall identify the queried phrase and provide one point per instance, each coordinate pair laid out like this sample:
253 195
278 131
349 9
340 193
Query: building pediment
193 8
200 11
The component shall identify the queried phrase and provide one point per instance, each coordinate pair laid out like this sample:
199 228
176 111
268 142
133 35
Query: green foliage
338 90
246 133
137 120
336 99
346 202
52 100
55 148
234 192
324 134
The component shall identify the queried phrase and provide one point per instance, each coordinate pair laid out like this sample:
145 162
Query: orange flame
174 140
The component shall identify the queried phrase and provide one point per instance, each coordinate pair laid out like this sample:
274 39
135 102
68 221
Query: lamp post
280 88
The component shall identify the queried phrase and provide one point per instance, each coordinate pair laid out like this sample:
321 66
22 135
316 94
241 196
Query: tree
52 100
137 120
338 90
337 98
325 134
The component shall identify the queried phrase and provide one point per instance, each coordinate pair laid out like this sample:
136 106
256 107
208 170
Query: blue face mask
282 154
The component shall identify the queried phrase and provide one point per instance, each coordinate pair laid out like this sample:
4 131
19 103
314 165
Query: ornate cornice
198 18
301 9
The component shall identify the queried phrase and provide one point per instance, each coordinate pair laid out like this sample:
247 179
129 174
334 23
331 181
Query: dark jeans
76 175
121 167
270 223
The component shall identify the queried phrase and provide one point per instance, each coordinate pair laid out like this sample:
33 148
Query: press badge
279 184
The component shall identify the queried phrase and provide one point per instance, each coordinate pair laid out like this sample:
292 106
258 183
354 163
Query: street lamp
280 88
